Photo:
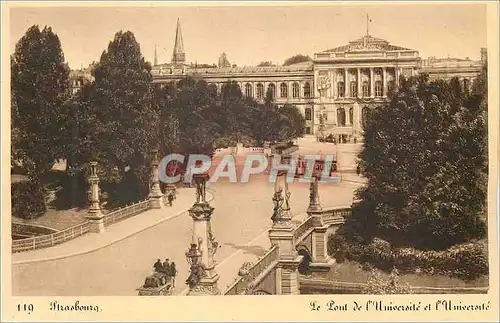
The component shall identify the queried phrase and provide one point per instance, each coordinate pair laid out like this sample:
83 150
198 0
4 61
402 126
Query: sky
254 33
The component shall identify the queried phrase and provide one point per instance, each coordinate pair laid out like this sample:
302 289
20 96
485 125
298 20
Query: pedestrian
166 267
173 273
158 266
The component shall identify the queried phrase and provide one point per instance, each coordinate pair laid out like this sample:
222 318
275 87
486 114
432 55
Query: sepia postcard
249 161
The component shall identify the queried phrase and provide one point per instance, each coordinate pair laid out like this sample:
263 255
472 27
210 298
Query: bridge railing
302 228
240 286
50 240
126 212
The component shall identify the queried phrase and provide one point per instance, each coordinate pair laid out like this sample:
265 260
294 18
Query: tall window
248 90
378 88
354 89
466 85
295 90
364 115
340 89
307 90
391 86
366 89
308 114
272 89
341 117
284 90
260 91
351 115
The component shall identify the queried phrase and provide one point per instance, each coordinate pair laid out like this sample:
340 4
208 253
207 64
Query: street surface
240 223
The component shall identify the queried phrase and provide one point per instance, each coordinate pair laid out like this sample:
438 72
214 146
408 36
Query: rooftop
367 43
190 70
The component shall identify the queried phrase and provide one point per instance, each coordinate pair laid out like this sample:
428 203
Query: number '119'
25 308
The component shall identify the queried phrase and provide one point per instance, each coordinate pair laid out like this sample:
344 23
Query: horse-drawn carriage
157 279
156 284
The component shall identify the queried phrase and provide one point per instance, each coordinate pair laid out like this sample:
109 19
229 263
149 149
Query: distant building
340 84
179 56
79 77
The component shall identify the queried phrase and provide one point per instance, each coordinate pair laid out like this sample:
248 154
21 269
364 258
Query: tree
292 123
39 89
194 105
126 123
424 159
266 63
299 58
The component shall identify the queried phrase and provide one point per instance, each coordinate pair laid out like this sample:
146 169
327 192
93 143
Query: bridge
294 250
43 271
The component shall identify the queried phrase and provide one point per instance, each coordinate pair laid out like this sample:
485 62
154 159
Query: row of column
333 93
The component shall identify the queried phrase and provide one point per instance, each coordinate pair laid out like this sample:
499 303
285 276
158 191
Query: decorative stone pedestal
155 194
288 283
95 216
314 204
96 224
203 278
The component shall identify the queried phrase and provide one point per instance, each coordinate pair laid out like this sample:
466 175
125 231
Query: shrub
28 199
378 285
466 261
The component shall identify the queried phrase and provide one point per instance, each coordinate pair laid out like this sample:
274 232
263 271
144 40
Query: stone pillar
289 282
346 82
372 84
396 75
319 247
95 216
281 235
334 84
360 92
315 91
155 194
384 86
330 86
203 278
356 114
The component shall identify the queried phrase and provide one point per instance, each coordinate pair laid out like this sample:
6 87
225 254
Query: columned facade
336 86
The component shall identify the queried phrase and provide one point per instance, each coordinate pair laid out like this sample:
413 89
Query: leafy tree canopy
425 159
299 58
266 63
40 87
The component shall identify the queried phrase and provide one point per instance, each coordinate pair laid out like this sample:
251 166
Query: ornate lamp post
314 204
203 278
95 216
155 193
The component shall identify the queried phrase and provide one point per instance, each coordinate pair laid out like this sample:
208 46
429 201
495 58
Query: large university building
334 90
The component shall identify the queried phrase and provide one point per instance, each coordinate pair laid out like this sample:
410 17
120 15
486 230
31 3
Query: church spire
178 57
155 62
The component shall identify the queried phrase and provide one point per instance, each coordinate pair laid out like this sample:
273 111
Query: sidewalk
94 241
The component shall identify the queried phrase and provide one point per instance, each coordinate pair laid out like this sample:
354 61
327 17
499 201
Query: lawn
354 273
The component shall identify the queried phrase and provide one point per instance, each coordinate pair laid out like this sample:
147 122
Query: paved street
240 223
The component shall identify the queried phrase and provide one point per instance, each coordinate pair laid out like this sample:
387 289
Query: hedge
466 261
28 199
